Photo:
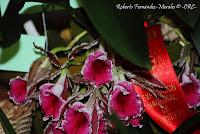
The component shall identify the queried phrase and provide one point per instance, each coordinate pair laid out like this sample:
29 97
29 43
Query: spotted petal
97 68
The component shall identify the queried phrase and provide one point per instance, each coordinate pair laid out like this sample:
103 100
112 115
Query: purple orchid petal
196 82
77 120
124 101
97 68
191 91
50 103
18 90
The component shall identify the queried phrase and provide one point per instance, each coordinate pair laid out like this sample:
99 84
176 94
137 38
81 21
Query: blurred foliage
128 40
196 36
121 129
174 50
38 123
189 16
76 29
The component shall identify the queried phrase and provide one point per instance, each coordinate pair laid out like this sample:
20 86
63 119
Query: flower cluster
68 108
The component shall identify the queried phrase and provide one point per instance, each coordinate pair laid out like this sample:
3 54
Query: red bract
18 90
97 68
77 120
124 101
191 90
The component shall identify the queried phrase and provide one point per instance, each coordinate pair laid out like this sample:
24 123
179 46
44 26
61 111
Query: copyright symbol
178 5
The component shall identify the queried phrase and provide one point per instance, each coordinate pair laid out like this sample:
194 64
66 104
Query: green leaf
196 37
54 39
122 29
174 51
70 45
38 123
5 123
10 23
119 125
76 29
189 125
197 72
41 7
189 16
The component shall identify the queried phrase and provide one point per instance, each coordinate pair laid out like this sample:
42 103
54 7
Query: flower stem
71 44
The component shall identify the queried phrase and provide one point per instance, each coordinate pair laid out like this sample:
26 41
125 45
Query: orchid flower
125 102
18 90
77 119
97 68
52 98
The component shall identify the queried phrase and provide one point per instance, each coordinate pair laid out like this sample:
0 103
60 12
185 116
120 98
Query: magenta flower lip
125 102
52 98
50 103
18 90
77 119
97 68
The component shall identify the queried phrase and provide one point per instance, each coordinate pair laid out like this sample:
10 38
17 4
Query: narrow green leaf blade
6 124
